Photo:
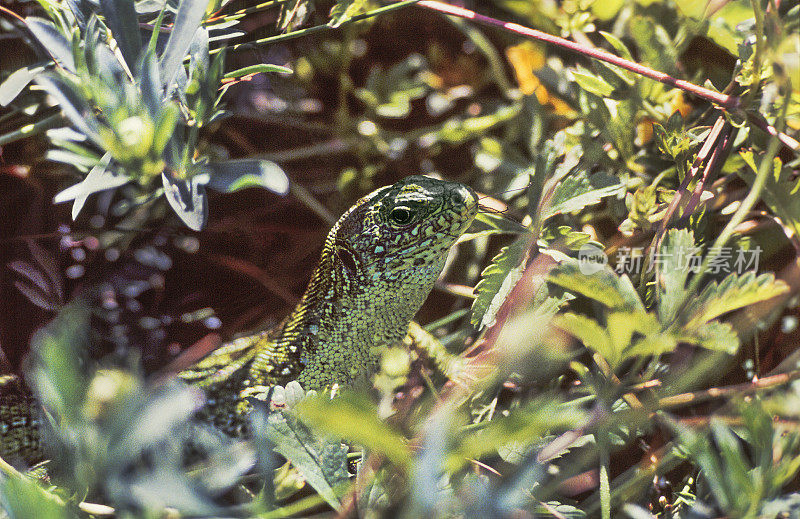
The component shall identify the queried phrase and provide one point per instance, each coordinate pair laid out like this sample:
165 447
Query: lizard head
403 231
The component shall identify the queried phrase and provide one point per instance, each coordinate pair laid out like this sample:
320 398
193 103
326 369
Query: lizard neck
337 331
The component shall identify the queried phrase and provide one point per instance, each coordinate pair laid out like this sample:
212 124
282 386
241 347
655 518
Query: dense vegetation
169 170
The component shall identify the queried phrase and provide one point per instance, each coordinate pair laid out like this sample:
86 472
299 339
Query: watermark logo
637 260
591 259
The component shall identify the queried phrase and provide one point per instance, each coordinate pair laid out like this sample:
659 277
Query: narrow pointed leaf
16 82
55 44
121 19
187 20
188 200
70 101
233 175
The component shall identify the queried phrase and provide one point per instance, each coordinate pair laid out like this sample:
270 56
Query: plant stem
724 100
31 129
320 28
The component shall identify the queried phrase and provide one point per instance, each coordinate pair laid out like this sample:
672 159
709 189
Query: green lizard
378 265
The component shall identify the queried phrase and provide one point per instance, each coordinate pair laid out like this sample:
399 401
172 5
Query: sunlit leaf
121 18
321 460
188 199
233 175
56 44
187 21
353 417
16 82
497 281
579 190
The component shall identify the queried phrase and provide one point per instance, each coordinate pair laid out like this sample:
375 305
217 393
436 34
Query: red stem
726 101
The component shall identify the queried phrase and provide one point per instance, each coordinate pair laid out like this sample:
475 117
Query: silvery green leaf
187 20
188 200
233 175
99 178
16 82
321 461
55 43
120 17
70 100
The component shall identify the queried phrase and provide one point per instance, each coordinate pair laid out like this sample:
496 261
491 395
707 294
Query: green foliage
138 113
662 388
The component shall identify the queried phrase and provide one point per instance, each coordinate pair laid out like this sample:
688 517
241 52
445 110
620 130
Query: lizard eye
401 215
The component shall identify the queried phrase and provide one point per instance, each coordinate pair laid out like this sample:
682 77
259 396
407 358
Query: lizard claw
279 397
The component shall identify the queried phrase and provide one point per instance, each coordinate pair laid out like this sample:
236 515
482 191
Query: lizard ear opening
347 258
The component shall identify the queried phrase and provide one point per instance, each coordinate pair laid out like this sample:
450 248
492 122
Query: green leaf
321 461
58 363
591 333
54 42
489 223
22 498
353 417
346 9
71 101
150 84
591 83
255 69
233 175
16 82
524 425
673 272
780 190
99 178
732 293
187 21
121 18
188 199
578 190
497 281
603 286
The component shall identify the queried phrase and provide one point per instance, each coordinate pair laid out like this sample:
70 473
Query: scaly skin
377 267
373 275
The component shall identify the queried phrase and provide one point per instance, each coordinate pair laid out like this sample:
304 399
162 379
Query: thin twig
723 392
727 101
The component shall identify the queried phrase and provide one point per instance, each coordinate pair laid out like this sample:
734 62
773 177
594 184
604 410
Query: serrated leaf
578 190
233 175
489 223
591 333
497 280
604 286
353 417
321 461
673 272
732 293
55 44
